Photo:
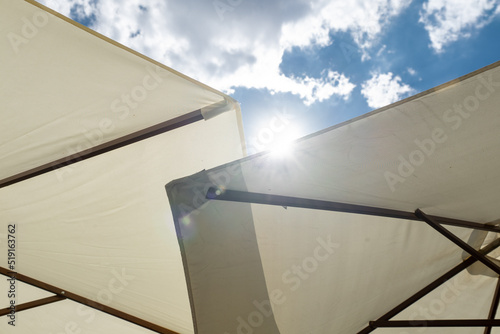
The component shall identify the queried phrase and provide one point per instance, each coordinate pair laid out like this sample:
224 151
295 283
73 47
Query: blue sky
300 66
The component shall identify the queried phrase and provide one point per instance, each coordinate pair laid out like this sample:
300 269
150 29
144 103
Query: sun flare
283 146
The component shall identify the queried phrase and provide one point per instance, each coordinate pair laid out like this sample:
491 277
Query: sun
284 145
282 150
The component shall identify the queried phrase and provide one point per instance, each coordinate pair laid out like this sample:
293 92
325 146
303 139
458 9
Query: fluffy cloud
239 43
448 20
364 20
384 89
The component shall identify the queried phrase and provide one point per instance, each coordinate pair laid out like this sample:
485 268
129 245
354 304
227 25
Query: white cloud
411 71
449 20
384 89
364 20
240 43
382 49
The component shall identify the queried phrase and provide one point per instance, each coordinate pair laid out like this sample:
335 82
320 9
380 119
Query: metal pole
258 198
459 242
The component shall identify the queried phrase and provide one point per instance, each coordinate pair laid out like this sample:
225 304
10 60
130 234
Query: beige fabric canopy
91 132
328 239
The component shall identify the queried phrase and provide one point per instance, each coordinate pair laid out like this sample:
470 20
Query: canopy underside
334 272
91 133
